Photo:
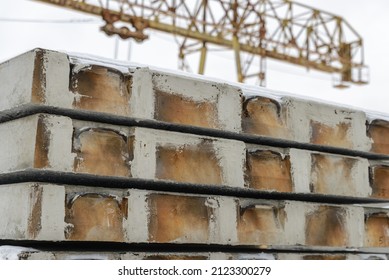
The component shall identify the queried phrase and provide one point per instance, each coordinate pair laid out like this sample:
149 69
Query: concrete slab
57 79
20 253
49 142
48 212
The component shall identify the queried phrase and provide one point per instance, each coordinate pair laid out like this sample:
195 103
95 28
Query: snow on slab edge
373 115
12 252
249 91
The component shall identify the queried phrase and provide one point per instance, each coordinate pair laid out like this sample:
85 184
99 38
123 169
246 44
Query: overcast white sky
369 18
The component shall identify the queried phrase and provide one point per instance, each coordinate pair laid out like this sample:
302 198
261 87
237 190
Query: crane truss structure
259 29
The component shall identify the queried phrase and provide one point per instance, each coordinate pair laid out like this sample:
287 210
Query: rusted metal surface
281 30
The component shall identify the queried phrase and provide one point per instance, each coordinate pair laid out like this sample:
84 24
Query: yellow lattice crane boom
277 29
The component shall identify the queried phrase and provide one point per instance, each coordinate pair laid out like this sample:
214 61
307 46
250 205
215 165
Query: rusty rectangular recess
378 131
264 116
376 229
260 224
102 151
268 170
175 218
326 226
101 89
379 181
334 135
330 172
95 217
189 163
175 108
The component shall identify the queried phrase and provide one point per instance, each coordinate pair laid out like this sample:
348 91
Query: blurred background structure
28 24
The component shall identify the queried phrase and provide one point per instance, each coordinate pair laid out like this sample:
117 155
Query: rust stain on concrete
131 147
377 230
42 141
260 224
264 116
178 218
267 170
101 89
378 131
337 135
96 217
173 108
34 220
379 181
326 227
331 172
102 152
38 79
189 163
